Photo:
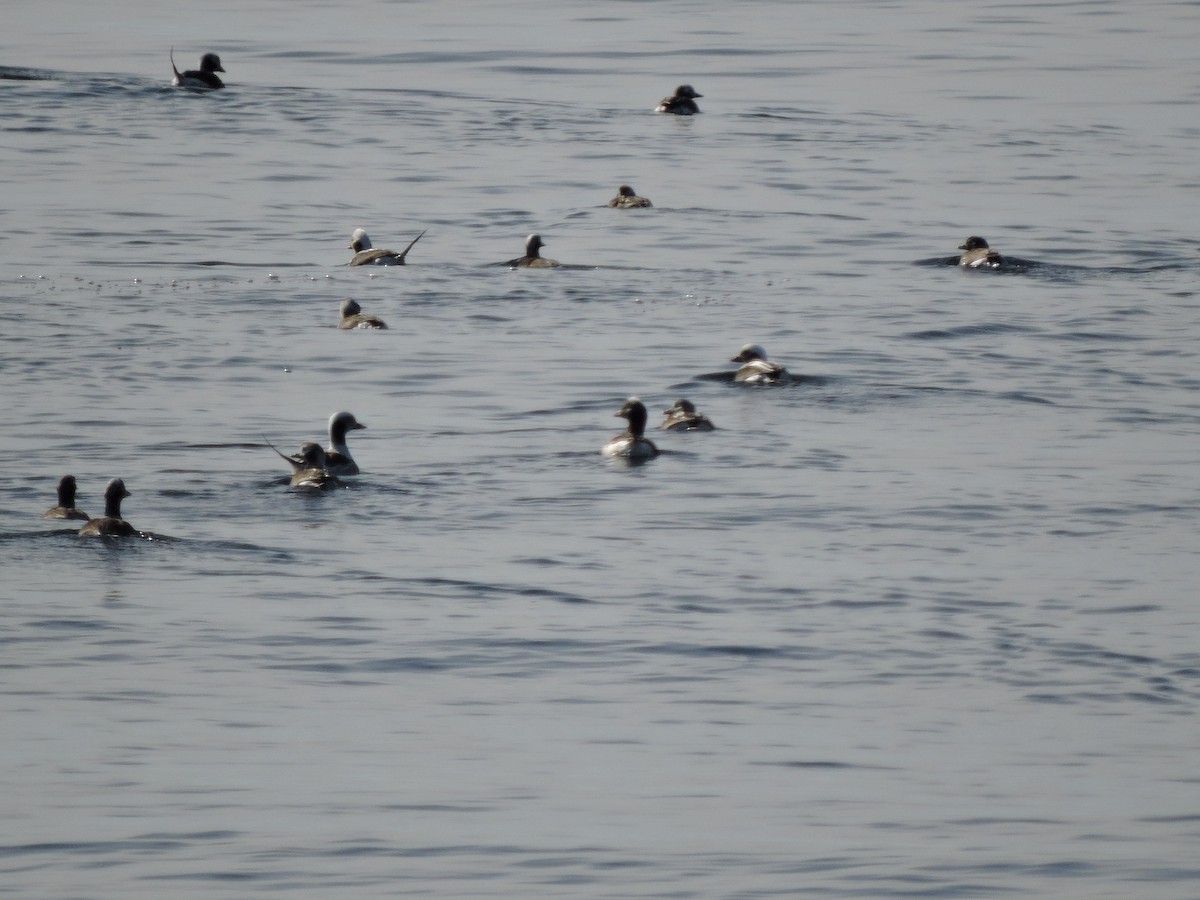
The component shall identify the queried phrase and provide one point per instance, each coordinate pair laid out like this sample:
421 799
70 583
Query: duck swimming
309 471
66 502
756 368
205 78
682 416
681 103
978 255
111 523
354 317
532 259
337 457
632 443
627 198
366 255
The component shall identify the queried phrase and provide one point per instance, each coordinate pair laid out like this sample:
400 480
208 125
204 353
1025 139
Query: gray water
922 623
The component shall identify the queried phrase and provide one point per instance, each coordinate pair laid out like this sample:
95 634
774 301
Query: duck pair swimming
317 468
633 444
681 103
365 255
110 523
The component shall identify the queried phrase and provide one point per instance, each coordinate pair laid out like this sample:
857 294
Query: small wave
16 73
966 331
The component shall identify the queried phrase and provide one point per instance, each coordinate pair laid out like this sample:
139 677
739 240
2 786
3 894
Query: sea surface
922 622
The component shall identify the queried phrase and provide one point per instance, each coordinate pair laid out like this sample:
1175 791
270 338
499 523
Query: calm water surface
922 623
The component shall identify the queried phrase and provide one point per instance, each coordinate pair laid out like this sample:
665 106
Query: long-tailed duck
337 456
66 502
682 416
204 78
111 522
632 443
366 255
354 317
627 198
978 255
756 368
310 471
681 103
532 259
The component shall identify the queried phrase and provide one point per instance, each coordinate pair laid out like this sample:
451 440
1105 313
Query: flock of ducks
633 445
976 252
313 468
319 468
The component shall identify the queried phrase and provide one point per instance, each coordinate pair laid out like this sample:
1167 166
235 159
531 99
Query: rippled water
921 623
